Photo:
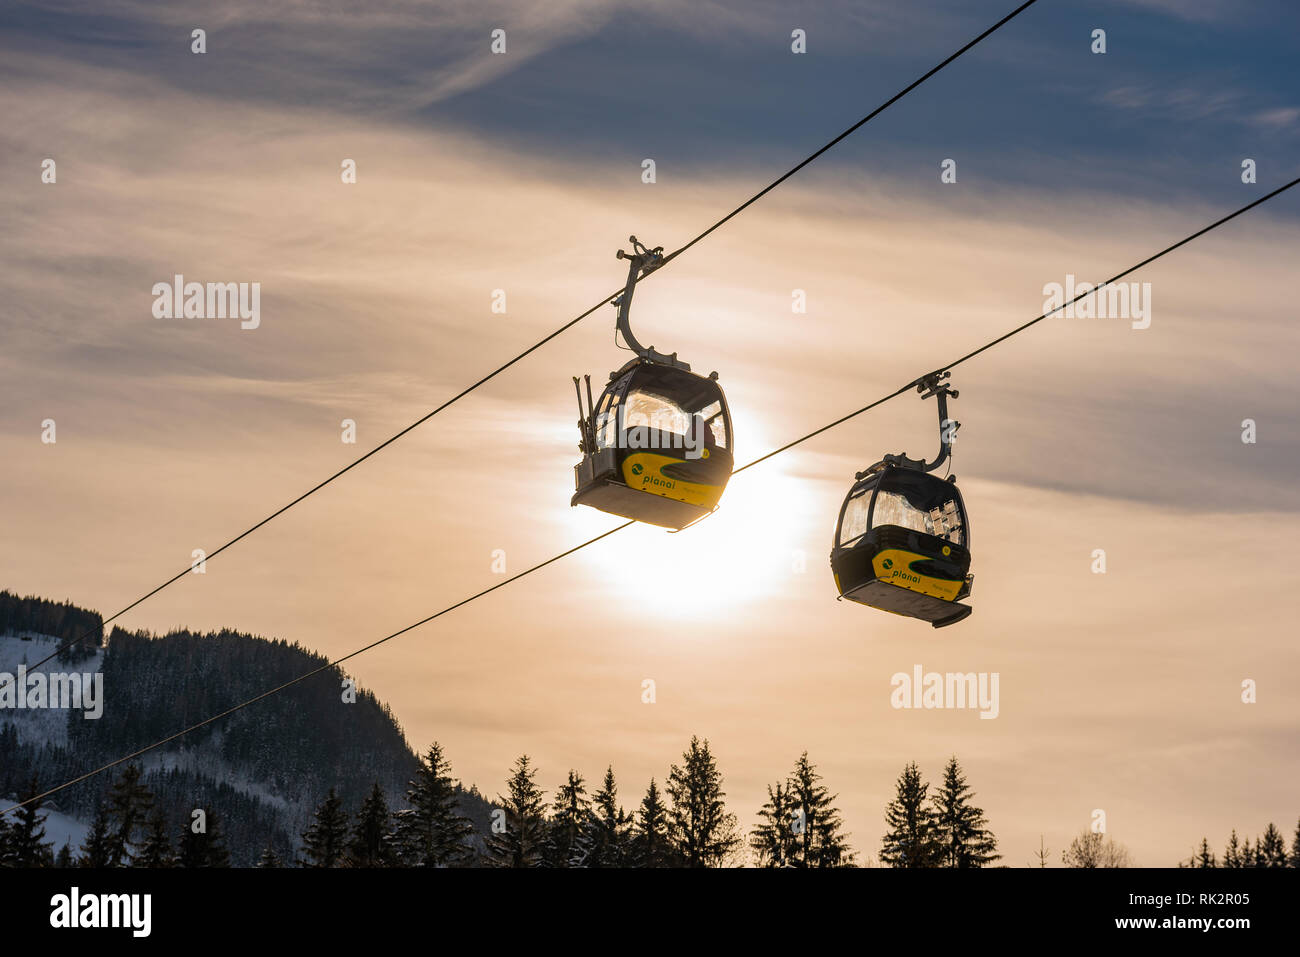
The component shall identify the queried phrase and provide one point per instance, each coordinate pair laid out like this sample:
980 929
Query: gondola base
904 601
617 499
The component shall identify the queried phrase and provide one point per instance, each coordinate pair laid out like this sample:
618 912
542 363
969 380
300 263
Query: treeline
136 826
1269 850
683 821
61 620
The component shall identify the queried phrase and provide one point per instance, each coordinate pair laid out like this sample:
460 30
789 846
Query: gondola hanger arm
641 261
935 385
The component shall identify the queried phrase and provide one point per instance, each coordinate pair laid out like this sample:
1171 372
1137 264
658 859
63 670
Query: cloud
1280 118
395 56
1196 11
369 288
1077 434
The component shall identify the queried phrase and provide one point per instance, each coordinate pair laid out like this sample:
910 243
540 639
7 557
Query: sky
522 171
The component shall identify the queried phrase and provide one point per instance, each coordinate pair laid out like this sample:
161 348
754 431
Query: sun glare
744 552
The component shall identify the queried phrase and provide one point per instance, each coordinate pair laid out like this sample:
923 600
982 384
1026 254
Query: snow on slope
35 725
43 724
38 724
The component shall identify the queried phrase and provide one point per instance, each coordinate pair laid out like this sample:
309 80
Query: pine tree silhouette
157 848
373 844
651 841
1232 852
26 838
1042 854
98 849
821 843
960 826
604 837
1270 850
569 813
325 840
1204 857
269 858
703 831
432 832
203 844
521 839
129 804
912 839
773 840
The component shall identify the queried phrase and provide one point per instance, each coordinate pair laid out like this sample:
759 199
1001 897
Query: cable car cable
303 677
1019 329
564 328
851 130
619 528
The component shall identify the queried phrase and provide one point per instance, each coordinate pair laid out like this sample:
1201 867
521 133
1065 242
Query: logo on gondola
647 475
899 567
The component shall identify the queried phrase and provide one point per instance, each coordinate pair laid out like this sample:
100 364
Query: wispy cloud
1281 118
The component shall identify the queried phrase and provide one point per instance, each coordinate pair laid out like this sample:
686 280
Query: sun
746 550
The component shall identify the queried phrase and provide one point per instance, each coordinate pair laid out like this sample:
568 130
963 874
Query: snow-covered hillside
43 725
39 724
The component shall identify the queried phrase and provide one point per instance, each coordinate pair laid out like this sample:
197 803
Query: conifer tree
1294 859
6 852
1271 848
269 858
1247 853
1204 857
98 848
372 838
568 817
26 838
65 857
519 830
432 832
1232 853
960 826
324 843
819 839
204 847
912 840
773 841
1042 854
129 804
704 832
651 842
157 849
603 842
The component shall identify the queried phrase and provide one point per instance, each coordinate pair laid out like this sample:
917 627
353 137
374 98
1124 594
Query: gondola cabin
657 445
902 544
